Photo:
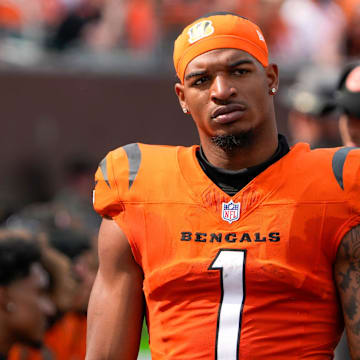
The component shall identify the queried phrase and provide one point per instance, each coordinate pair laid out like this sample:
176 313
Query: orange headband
218 31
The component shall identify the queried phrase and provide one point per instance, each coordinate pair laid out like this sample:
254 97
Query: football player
239 245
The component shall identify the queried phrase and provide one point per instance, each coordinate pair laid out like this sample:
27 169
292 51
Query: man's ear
272 73
179 90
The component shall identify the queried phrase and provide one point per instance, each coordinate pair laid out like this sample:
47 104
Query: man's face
227 92
349 130
32 306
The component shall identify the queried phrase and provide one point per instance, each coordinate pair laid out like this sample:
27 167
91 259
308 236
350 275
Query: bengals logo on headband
200 30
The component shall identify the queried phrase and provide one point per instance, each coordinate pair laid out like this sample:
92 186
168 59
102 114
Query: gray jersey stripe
338 162
103 167
134 157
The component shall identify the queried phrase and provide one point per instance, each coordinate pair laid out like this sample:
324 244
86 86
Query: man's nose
222 89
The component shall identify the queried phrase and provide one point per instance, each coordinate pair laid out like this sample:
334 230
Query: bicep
116 304
347 277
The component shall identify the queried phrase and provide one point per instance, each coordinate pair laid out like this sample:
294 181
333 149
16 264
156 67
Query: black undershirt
231 182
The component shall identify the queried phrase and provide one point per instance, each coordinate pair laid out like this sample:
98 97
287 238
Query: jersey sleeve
350 179
346 169
106 198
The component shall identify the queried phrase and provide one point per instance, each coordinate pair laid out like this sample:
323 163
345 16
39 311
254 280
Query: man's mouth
228 113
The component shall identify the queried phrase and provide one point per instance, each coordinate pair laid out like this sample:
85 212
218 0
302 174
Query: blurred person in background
68 338
315 31
76 15
108 31
268 14
80 248
311 105
141 26
106 25
128 24
348 101
24 300
71 258
351 37
61 291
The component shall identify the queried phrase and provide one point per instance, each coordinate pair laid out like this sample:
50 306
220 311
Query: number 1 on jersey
231 264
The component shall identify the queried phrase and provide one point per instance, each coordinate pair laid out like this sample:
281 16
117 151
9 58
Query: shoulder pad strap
103 168
338 162
134 158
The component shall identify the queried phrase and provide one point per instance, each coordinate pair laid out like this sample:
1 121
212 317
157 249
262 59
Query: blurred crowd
48 262
48 257
297 31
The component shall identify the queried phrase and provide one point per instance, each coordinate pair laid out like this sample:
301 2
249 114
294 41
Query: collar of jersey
207 193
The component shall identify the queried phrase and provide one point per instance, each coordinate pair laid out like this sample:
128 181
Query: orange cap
218 31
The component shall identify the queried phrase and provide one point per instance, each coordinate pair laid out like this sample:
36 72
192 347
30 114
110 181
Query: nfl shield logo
230 211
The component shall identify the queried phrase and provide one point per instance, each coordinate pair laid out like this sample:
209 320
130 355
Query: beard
232 142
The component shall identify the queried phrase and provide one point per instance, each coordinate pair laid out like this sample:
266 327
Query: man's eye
241 71
200 81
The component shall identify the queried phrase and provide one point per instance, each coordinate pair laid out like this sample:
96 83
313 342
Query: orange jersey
66 340
245 277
